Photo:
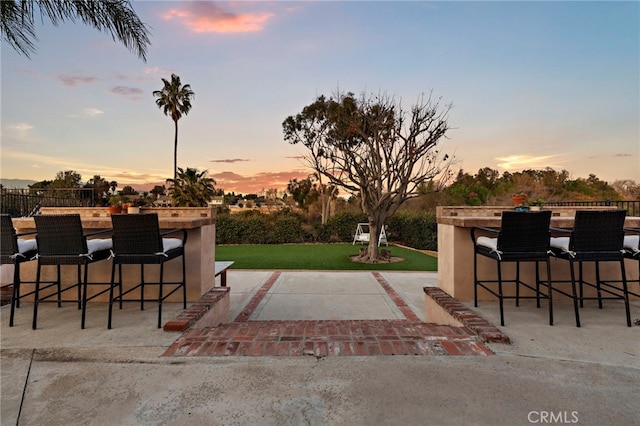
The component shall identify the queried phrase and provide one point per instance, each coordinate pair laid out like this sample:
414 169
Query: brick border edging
196 311
395 297
483 328
257 298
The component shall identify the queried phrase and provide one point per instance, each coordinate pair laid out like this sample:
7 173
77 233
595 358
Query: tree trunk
325 201
326 198
175 151
376 220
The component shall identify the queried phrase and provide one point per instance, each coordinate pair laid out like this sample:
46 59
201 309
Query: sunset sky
533 85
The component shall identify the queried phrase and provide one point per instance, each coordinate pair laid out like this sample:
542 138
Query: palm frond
115 17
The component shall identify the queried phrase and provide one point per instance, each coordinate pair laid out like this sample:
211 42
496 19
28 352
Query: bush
342 226
286 229
254 227
414 229
321 233
226 229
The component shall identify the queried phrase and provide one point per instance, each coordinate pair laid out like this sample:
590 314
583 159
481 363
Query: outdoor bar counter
199 222
455 250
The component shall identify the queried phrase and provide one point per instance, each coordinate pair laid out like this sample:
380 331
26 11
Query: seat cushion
170 244
631 242
99 244
26 245
631 245
561 243
491 243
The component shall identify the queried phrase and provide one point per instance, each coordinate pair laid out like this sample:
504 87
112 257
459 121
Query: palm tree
116 17
175 100
191 188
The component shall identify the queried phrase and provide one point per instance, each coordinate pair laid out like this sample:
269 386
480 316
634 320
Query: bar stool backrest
136 234
524 231
60 235
8 241
598 231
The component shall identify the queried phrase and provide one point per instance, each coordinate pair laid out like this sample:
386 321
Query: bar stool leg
549 292
475 280
501 300
598 284
142 287
625 290
184 283
573 289
160 295
517 283
113 276
36 296
85 289
15 292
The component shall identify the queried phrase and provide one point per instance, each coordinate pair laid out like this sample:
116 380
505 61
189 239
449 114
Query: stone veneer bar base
440 308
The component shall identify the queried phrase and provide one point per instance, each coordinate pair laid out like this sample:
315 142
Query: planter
133 210
114 209
518 199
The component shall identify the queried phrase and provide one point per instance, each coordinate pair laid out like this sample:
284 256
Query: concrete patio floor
60 374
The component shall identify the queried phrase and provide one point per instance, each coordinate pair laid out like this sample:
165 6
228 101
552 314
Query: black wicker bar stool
631 246
14 251
137 241
61 241
522 237
631 251
597 236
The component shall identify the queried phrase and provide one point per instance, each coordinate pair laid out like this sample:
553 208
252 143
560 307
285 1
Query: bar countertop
494 222
185 222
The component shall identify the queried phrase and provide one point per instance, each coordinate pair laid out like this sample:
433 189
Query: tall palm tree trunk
175 101
175 151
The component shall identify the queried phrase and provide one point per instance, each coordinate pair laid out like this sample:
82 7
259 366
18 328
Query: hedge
411 228
414 229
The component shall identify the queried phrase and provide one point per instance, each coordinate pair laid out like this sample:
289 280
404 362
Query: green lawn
318 257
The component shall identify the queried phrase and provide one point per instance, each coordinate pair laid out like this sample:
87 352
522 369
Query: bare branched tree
372 147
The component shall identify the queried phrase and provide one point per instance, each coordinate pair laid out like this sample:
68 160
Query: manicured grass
318 257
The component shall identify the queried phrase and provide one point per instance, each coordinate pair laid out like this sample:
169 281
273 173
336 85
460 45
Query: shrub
227 229
414 229
254 227
343 226
285 229
322 233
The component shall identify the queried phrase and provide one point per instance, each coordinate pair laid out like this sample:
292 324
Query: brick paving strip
321 338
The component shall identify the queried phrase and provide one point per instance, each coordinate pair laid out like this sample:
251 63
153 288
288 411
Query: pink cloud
73 80
253 184
131 93
227 181
209 17
230 160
